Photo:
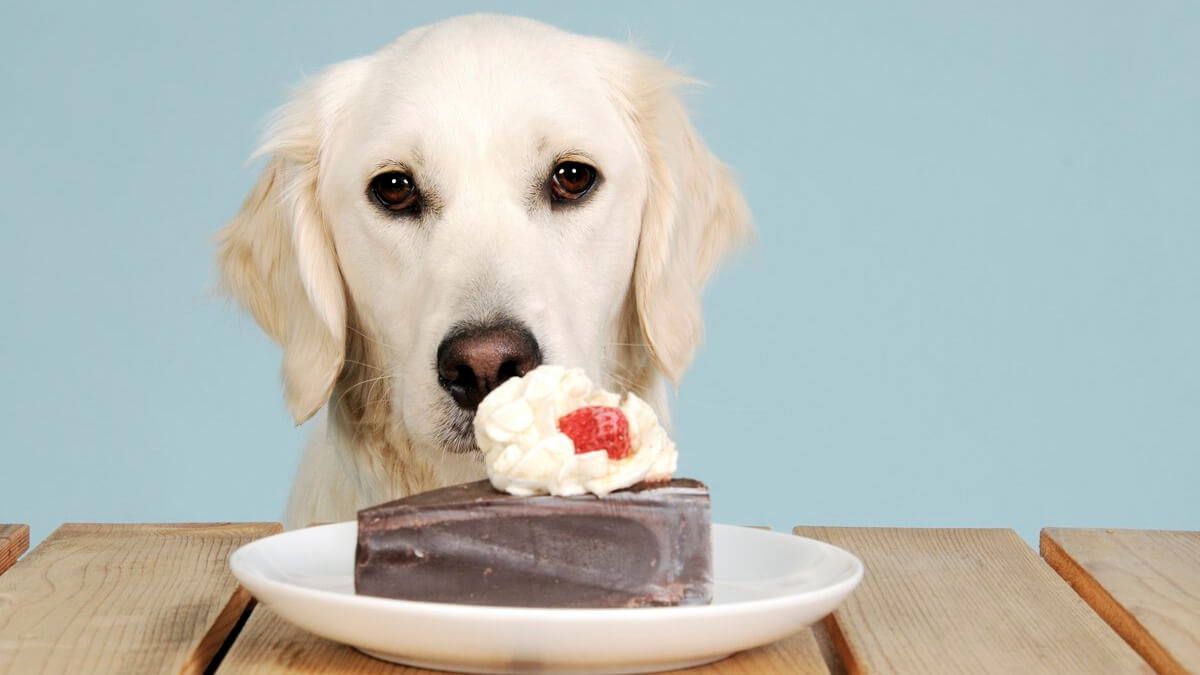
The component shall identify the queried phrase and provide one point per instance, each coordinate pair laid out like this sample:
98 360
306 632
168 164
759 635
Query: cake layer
645 546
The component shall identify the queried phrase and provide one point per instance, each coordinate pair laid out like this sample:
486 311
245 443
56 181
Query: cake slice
579 510
647 545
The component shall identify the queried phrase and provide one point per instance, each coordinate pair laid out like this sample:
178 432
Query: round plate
767 586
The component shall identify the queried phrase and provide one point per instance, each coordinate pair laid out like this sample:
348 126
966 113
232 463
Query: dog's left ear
693 217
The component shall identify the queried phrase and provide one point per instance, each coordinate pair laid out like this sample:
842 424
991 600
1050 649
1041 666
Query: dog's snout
474 361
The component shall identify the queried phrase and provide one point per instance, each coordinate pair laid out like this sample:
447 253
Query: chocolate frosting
644 546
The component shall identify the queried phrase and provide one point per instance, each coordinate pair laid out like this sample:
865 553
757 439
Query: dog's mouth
457 431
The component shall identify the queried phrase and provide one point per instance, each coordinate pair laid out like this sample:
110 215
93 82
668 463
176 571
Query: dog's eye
571 180
395 191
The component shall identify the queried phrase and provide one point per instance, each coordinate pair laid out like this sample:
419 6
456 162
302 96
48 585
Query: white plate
767 586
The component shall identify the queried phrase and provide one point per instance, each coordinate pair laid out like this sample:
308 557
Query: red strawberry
597 427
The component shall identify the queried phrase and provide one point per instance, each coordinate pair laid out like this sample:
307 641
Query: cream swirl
516 427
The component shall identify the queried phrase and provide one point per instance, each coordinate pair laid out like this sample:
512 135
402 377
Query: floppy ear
277 255
693 217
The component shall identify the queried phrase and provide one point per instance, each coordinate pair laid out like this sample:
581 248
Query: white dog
480 196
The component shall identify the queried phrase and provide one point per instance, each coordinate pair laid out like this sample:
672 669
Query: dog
480 196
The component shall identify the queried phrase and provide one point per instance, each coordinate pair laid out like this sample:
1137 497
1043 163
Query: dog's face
459 199
480 196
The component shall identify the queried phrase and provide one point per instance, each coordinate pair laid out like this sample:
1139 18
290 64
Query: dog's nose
472 362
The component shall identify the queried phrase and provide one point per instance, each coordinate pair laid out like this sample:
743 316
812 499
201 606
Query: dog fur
478 109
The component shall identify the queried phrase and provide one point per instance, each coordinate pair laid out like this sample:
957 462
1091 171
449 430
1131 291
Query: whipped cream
516 427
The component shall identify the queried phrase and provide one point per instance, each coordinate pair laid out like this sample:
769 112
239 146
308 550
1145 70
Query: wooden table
160 598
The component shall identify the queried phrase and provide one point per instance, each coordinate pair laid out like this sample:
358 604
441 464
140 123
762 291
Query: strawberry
597 427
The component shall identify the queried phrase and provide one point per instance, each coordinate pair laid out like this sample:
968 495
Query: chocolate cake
647 545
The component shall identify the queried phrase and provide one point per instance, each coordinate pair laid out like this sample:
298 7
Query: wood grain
14 540
268 645
1145 584
123 599
964 601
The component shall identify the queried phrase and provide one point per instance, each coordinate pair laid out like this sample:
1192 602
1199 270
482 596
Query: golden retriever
482 195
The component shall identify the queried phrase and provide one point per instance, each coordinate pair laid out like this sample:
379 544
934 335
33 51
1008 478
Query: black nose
473 361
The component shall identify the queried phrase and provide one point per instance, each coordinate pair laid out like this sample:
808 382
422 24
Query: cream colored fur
479 109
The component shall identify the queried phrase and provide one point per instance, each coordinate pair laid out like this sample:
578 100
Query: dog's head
479 196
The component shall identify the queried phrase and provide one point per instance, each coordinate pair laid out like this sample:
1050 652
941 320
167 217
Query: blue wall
975 300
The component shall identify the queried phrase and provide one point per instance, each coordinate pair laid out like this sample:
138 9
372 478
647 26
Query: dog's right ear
277 256
693 217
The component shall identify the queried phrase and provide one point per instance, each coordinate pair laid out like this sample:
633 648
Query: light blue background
975 300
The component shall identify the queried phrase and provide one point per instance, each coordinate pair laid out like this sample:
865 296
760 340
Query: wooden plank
123 599
14 540
268 645
964 601
1144 583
